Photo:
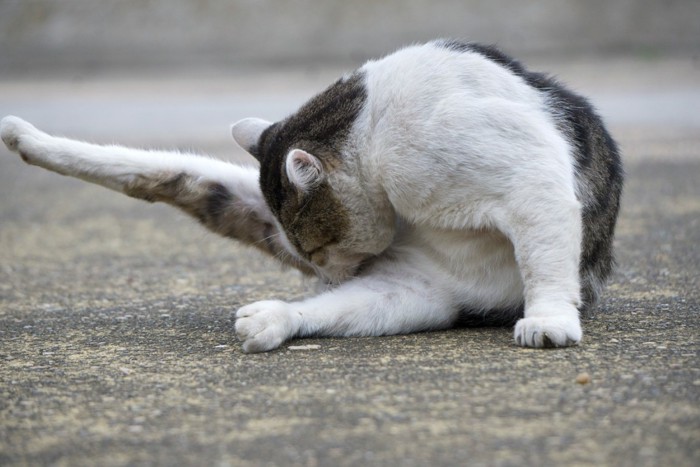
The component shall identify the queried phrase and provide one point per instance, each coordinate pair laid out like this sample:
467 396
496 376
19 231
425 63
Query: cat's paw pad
14 131
548 331
265 325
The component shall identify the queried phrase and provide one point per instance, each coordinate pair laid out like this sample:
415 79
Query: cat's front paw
265 325
550 331
17 135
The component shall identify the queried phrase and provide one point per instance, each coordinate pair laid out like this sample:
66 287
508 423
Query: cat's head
313 186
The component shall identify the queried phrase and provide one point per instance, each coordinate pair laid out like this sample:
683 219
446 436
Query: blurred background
178 72
85 35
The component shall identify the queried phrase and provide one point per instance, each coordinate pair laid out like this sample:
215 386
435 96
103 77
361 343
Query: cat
443 184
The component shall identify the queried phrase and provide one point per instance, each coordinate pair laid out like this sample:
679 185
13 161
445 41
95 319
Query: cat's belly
480 265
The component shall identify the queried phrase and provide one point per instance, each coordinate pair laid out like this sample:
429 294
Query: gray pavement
116 344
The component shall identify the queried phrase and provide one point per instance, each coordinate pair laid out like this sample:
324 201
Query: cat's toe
19 136
9 133
265 325
548 332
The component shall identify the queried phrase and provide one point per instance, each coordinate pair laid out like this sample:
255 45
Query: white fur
303 170
116 167
247 131
457 149
485 189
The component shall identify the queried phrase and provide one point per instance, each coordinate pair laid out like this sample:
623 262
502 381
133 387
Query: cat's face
326 218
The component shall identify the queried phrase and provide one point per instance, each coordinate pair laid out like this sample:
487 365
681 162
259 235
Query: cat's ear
247 132
304 170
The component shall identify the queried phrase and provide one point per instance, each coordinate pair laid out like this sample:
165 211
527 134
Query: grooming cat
442 184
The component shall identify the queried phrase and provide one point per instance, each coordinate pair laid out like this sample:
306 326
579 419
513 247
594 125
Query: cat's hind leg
224 197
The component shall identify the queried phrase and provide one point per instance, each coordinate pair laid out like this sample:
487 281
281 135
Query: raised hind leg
224 197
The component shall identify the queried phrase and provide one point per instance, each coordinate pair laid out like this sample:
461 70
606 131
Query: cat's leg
224 197
546 231
389 300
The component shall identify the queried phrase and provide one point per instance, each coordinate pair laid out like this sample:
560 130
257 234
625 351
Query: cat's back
416 79
443 124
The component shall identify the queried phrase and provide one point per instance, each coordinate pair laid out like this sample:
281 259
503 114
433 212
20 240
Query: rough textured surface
117 346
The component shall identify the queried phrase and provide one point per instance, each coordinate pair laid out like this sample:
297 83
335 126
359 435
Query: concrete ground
117 345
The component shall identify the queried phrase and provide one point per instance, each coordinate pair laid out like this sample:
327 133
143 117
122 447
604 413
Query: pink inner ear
303 169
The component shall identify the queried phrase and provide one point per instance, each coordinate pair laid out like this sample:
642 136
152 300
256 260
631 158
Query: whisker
269 237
